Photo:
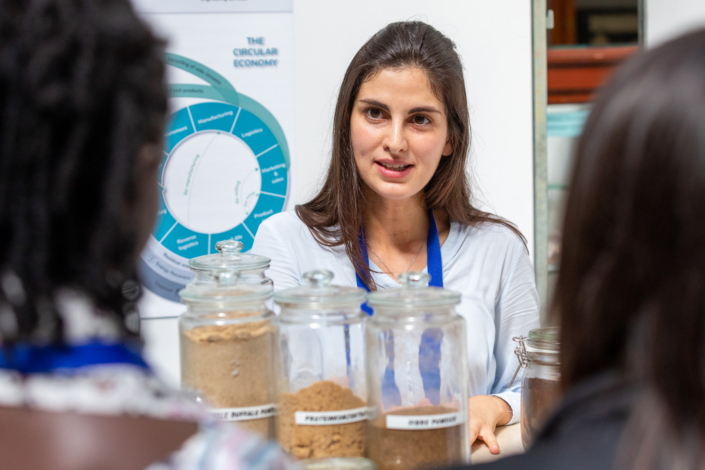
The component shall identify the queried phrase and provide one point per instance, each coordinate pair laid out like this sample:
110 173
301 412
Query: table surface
508 439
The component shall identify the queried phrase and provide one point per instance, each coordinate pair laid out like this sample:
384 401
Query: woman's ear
448 149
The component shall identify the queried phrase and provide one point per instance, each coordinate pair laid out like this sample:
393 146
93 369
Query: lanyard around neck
433 259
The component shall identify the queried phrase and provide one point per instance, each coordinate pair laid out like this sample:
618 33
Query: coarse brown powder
539 398
396 449
231 366
315 442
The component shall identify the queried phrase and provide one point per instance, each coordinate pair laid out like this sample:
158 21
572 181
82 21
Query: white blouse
489 265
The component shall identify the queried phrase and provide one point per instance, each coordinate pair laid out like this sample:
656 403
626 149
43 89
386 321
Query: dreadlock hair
81 91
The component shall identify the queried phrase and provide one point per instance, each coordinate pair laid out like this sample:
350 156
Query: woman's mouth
396 170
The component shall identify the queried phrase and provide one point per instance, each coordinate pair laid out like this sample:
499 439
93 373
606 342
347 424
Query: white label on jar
325 418
446 420
245 414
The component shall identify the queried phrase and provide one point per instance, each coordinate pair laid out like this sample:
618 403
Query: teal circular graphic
223 173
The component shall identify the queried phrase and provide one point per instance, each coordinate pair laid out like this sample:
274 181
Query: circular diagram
224 171
223 174
212 182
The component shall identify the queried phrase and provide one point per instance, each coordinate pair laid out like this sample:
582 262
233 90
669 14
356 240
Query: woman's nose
395 139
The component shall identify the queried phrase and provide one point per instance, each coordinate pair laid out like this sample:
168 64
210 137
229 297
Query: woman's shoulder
284 231
489 236
283 226
283 221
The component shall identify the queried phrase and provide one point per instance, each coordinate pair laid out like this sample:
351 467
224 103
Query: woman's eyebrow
424 109
419 109
376 103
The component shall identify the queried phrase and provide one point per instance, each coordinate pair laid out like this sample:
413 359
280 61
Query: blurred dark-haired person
631 294
82 106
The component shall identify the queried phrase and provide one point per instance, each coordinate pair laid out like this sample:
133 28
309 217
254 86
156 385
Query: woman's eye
374 113
420 120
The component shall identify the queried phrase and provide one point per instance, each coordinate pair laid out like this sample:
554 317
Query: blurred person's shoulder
584 432
219 446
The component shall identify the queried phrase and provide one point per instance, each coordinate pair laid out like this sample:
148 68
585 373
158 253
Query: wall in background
666 19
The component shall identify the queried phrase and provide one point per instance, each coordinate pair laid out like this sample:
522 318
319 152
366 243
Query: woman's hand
486 413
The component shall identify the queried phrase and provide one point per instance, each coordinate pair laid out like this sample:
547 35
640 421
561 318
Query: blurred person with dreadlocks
82 106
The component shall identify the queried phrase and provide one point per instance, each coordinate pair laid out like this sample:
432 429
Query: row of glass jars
322 376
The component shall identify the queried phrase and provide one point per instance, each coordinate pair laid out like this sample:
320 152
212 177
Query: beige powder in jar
231 366
315 442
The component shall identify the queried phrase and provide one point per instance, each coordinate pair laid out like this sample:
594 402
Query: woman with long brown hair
397 198
630 298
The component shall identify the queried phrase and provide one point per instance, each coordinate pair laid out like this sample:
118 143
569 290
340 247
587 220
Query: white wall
666 19
161 348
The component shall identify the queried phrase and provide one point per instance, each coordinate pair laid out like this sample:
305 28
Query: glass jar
417 377
322 385
229 266
540 387
228 346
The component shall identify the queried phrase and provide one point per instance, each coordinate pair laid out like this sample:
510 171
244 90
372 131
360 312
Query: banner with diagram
228 140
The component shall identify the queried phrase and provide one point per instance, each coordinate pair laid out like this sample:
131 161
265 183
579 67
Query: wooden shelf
576 73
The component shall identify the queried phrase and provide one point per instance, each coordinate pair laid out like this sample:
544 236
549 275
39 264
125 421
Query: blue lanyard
430 340
433 257
28 359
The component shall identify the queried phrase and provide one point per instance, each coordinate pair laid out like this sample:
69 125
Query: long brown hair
335 215
631 290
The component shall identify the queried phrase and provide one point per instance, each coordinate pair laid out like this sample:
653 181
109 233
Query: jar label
246 413
325 418
445 420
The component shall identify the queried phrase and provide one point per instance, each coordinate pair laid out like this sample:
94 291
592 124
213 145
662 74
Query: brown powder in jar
315 442
396 449
231 366
539 397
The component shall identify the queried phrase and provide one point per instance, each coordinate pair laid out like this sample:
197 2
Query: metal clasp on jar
521 354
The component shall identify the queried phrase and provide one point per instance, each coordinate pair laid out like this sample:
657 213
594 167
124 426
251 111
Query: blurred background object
594 22
586 41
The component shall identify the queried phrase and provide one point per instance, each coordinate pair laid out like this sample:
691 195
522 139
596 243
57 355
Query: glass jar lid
318 293
339 463
543 340
414 293
234 294
229 259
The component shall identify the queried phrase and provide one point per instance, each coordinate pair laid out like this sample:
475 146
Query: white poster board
229 138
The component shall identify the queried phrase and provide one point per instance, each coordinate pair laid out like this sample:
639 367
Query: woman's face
399 132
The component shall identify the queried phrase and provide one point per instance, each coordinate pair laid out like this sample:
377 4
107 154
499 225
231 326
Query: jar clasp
522 356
